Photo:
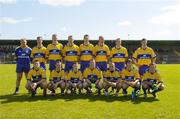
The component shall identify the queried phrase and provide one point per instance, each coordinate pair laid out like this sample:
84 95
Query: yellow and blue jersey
39 54
152 77
23 55
101 53
144 56
56 76
36 75
92 74
86 52
118 55
54 52
131 75
71 53
111 76
75 77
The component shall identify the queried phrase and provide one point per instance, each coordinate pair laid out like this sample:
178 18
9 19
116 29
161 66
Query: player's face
111 66
86 40
39 40
118 42
75 67
129 64
152 68
144 43
70 40
54 38
23 42
92 64
36 65
58 66
101 40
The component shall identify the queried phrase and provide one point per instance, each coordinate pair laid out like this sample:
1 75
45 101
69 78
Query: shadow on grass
71 97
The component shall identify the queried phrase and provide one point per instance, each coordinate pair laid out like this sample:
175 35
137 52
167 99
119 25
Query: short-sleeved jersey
155 77
86 52
111 75
71 53
23 55
101 53
36 75
92 73
131 75
57 75
144 56
119 55
74 75
39 54
54 52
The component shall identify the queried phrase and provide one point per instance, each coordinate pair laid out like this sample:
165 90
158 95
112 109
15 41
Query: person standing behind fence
23 60
54 52
38 53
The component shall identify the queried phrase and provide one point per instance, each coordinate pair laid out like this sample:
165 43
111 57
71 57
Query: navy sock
144 90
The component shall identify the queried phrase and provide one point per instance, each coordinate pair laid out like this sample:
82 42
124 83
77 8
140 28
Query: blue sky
152 19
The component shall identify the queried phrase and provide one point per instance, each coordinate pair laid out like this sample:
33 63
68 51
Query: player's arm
135 58
126 55
47 54
108 54
153 55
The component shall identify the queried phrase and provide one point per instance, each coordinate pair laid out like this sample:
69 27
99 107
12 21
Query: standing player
86 53
57 79
22 56
152 80
92 76
75 80
102 53
111 79
130 77
54 52
39 52
71 54
36 78
119 55
144 56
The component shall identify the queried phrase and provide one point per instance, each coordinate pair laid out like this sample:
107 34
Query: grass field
167 106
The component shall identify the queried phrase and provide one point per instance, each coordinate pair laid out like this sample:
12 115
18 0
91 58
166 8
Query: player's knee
62 85
144 85
85 84
161 87
44 85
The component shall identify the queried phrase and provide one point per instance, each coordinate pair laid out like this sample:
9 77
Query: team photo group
88 68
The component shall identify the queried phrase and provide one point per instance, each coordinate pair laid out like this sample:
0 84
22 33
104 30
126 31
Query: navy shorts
20 68
52 65
120 65
102 65
143 69
84 65
68 66
42 65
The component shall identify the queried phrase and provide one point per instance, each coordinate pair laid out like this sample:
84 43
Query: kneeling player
152 80
92 75
36 78
130 77
57 79
111 79
75 80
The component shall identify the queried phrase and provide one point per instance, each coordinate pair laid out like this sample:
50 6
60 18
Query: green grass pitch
167 106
